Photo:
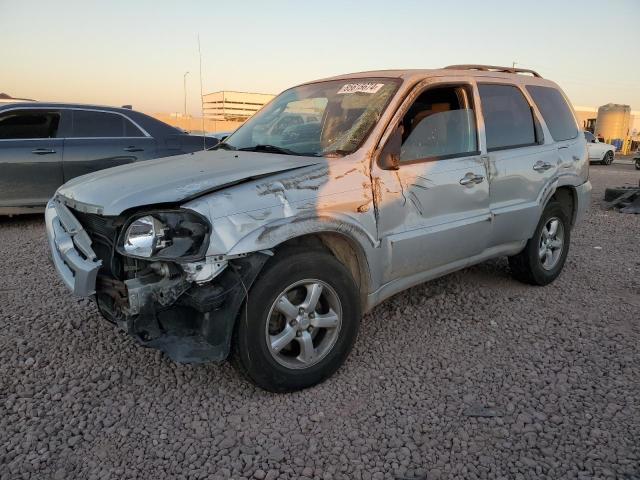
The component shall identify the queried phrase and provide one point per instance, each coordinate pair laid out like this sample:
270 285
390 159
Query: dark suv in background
43 145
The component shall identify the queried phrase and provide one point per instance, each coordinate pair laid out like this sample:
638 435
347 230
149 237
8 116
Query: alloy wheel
303 324
551 243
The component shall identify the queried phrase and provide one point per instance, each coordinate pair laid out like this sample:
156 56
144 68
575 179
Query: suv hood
172 179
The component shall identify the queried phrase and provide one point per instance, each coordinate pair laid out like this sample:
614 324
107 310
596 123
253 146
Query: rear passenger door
30 156
521 165
102 139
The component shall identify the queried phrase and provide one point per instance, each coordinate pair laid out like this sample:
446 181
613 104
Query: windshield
326 118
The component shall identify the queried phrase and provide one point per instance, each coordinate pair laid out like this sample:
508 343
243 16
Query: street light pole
184 79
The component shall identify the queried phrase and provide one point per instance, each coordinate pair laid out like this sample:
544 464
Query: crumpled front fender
274 233
260 215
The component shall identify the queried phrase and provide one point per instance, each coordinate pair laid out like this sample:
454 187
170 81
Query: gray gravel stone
559 364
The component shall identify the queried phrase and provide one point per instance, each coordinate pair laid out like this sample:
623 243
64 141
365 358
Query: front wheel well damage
344 249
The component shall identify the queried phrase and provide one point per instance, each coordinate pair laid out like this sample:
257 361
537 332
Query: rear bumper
583 197
75 261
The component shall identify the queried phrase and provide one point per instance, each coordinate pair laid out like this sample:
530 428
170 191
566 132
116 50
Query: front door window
440 124
28 124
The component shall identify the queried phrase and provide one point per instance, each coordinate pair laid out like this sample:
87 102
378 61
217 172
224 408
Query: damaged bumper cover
187 311
189 322
71 251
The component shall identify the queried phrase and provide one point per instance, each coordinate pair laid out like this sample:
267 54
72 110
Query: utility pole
204 142
184 81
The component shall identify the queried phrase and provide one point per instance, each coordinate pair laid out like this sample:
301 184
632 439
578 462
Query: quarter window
555 111
28 124
90 124
440 124
508 120
589 137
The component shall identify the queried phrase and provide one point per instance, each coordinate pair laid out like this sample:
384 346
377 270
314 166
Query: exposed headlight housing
178 235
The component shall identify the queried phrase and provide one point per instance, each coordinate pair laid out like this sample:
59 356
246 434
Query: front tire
637 163
608 158
300 322
543 257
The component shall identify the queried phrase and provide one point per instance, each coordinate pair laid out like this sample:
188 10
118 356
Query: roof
416 75
35 104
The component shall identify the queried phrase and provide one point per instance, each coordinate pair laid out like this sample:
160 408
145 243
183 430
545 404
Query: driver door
434 208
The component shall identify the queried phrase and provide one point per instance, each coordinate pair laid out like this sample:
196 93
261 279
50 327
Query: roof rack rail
493 68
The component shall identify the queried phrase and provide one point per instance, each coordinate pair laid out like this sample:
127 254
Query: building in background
233 106
196 125
223 112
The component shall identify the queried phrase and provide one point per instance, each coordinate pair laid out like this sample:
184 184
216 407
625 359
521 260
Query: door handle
133 149
471 179
43 151
542 166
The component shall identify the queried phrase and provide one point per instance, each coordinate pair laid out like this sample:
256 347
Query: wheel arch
611 150
567 197
344 249
349 243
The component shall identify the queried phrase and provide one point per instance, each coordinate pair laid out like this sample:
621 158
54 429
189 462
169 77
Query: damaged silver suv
271 246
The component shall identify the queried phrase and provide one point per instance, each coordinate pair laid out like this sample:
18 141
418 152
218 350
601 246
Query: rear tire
637 163
279 342
543 257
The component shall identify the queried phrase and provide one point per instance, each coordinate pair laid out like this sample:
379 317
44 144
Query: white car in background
599 151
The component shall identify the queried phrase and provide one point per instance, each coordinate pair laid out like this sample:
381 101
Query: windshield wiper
222 145
268 149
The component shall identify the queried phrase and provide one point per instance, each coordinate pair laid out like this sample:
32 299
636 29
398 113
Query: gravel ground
470 376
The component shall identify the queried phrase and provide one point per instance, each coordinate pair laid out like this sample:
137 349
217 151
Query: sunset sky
136 52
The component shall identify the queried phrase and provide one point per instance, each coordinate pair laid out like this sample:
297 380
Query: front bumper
583 197
161 309
190 323
71 250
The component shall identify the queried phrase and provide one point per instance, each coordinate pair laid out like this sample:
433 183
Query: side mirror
389 158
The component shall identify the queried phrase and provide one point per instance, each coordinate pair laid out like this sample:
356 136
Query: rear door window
508 120
91 124
555 111
28 124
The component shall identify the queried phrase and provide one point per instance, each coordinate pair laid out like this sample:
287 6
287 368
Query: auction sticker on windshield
368 87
